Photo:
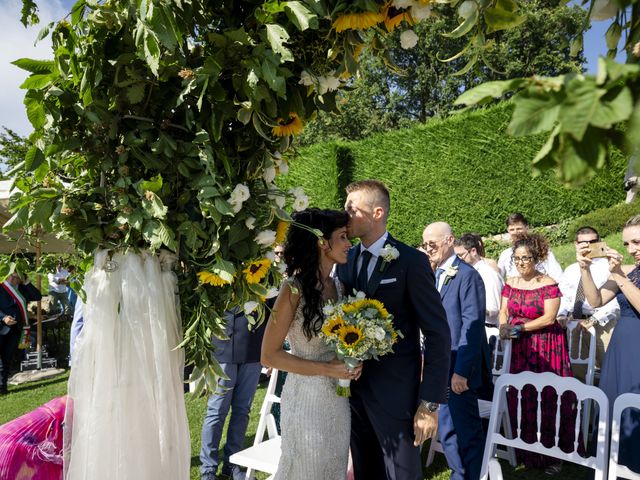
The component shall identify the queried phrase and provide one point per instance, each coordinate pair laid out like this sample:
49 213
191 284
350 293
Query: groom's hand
459 384
425 425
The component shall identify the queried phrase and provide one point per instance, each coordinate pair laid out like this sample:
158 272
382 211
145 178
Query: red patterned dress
538 351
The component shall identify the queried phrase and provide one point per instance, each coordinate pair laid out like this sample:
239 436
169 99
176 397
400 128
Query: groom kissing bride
395 400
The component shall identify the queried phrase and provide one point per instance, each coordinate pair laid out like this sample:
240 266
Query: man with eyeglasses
518 225
574 306
468 248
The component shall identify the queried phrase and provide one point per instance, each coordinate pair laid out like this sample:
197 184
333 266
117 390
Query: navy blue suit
385 398
239 358
459 423
10 335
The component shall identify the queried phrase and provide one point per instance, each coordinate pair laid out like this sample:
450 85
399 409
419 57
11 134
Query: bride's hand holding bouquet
357 329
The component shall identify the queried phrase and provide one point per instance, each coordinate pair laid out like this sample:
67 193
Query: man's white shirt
493 285
54 278
549 265
569 286
374 249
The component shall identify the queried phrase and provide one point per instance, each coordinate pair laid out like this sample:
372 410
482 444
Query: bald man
463 297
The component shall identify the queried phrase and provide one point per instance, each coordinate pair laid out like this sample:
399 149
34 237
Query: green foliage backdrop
464 170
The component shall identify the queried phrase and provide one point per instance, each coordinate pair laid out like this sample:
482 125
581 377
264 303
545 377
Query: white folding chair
624 401
561 385
575 334
577 356
500 363
264 455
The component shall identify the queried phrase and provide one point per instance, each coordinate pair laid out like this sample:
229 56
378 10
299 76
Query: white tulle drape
126 417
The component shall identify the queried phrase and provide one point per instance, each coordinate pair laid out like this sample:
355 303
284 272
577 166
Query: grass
25 398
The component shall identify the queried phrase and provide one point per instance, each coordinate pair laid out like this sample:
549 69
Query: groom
395 402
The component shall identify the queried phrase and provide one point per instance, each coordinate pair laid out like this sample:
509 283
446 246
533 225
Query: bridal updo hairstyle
303 260
536 244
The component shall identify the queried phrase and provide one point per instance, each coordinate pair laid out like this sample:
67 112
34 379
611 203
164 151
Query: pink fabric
31 445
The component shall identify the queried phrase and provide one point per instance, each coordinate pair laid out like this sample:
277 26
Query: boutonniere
449 273
388 253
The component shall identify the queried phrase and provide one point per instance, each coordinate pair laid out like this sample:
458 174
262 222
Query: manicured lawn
25 398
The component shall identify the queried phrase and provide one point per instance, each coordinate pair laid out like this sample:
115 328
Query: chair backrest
577 355
500 356
624 401
583 393
267 422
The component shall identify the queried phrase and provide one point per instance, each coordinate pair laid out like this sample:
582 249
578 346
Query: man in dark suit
239 358
394 404
15 295
463 296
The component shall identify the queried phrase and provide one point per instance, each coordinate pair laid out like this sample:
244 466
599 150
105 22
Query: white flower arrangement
408 39
250 223
389 253
266 238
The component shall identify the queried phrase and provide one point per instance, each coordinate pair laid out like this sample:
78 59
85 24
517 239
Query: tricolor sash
19 299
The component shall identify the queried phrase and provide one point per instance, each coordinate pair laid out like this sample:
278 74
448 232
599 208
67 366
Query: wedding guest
239 358
463 297
621 365
518 225
483 255
59 299
469 249
530 304
15 294
574 305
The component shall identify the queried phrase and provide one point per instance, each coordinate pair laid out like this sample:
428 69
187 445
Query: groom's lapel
379 270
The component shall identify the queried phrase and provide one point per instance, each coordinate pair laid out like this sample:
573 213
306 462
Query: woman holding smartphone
620 371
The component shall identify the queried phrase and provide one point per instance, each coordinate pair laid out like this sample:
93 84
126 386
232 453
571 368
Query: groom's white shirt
374 249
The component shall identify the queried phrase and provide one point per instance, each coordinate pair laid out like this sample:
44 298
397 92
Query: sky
18 42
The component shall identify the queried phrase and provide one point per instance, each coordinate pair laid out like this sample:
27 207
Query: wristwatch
429 406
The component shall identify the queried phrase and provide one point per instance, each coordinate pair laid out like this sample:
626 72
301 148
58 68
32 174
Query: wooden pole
39 305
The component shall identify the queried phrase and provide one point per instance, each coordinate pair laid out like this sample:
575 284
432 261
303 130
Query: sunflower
364 304
357 21
331 327
281 231
393 18
285 128
257 270
350 335
212 279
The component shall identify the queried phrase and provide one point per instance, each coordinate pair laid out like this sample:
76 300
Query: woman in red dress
530 303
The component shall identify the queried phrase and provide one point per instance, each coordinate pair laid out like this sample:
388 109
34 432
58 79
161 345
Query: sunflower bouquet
357 329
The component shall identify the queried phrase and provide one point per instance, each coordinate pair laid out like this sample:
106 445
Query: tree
425 86
13 149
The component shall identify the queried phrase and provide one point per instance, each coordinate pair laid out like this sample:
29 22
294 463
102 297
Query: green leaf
40 213
35 109
152 52
300 15
239 36
546 149
77 11
466 26
576 45
534 112
633 132
275 82
166 236
618 109
244 115
135 93
579 108
489 90
612 36
223 206
224 269
154 207
277 36
18 220
153 185
33 159
35 66
44 32
502 16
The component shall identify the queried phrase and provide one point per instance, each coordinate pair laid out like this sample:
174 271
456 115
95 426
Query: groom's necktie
439 272
363 274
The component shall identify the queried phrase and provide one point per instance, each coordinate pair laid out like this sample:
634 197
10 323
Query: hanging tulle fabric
126 417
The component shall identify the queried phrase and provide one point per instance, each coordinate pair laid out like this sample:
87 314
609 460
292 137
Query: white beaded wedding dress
315 421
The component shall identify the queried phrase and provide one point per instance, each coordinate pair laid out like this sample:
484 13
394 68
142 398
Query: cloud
16 41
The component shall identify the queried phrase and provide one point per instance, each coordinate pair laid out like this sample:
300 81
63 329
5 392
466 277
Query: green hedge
464 170
605 220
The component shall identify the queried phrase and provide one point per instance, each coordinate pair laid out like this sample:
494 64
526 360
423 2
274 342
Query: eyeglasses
521 259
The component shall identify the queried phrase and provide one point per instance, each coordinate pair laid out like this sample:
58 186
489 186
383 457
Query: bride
315 422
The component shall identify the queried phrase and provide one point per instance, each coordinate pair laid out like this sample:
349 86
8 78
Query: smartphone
597 250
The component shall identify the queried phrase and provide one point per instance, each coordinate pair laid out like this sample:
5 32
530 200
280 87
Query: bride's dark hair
303 261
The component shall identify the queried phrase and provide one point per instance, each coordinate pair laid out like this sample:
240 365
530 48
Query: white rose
297 191
282 268
266 238
272 292
278 199
421 12
283 168
269 174
379 333
250 306
241 192
306 78
250 223
402 3
328 310
236 205
300 203
360 295
271 256
408 39
328 83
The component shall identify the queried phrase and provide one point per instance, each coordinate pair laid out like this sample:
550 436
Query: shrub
464 170
605 220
